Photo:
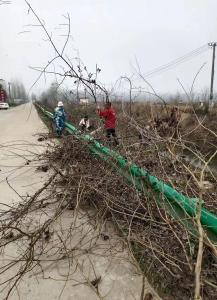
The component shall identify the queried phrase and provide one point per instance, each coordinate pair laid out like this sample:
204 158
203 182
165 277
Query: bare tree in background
73 69
18 90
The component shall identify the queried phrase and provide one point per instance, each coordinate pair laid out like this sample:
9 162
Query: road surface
19 130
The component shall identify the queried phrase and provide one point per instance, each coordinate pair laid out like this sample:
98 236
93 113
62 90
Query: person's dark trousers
111 132
83 127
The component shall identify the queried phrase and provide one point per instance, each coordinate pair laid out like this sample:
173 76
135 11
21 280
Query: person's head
60 104
86 117
108 105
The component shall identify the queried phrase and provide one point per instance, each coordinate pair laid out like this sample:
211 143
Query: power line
177 61
190 54
175 64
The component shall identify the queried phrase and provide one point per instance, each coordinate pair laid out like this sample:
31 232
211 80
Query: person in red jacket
109 115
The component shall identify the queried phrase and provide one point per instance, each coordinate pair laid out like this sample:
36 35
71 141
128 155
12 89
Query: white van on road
4 105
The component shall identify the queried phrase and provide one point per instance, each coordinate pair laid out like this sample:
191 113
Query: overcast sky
113 34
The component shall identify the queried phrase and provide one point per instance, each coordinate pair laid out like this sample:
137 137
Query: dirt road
69 278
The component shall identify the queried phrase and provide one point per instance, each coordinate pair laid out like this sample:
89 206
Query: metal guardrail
179 206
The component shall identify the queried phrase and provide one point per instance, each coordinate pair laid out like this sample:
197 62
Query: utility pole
213 45
95 84
130 92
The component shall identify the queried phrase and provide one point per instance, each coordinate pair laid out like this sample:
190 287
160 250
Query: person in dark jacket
109 115
59 118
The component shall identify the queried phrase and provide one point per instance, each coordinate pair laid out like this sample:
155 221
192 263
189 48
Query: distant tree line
17 91
55 93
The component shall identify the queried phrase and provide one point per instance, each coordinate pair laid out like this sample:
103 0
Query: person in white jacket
85 123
